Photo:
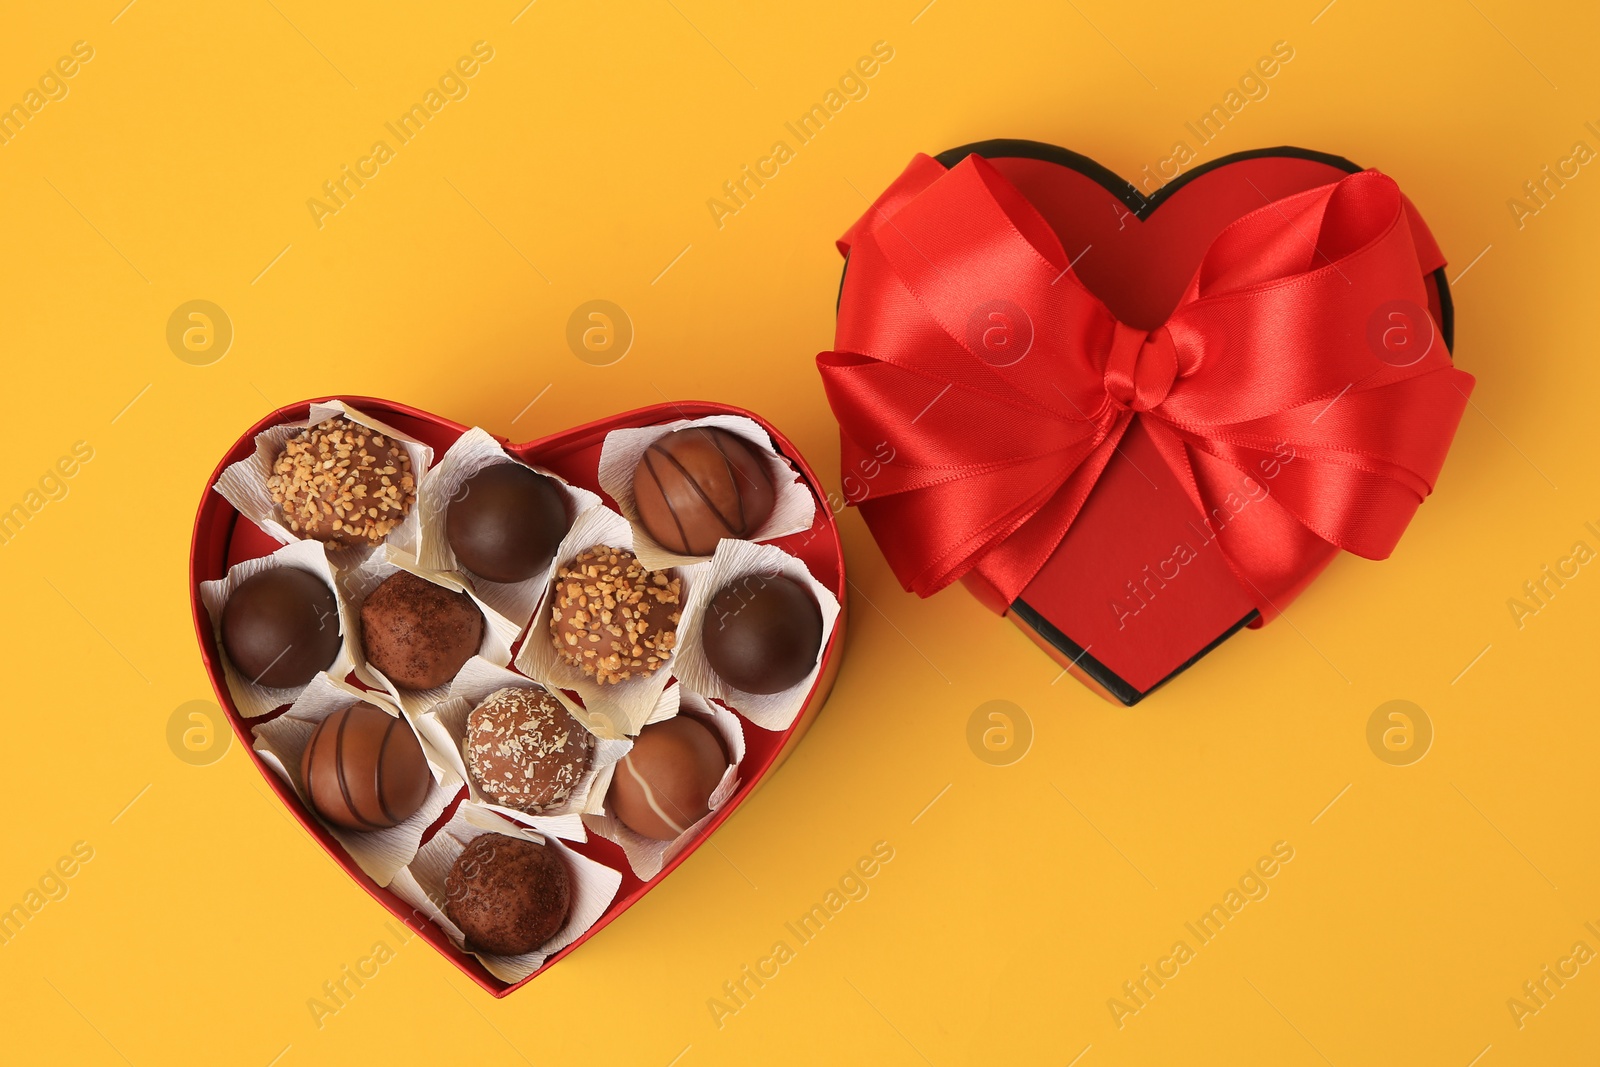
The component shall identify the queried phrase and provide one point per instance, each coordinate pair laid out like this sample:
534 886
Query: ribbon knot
1141 368
1264 374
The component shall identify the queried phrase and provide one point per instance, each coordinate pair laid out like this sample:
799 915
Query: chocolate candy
696 486
280 627
505 522
525 750
613 618
762 633
417 633
663 785
509 896
363 769
340 481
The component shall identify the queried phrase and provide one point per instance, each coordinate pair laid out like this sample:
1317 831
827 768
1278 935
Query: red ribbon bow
968 346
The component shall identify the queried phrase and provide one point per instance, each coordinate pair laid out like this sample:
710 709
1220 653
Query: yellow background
179 166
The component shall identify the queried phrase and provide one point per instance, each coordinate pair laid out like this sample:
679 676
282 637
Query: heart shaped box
223 538
1147 249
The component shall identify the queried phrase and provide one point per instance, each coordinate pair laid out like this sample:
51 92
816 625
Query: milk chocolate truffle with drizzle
363 769
342 482
664 784
526 751
417 633
508 896
613 618
695 486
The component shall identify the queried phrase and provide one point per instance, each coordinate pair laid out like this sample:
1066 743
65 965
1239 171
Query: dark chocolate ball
509 896
525 750
696 486
417 633
762 633
664 784
280 627
363 769
505 522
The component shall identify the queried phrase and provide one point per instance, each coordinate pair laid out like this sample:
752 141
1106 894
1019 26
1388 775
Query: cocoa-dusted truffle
505 522
694 487
761 634
417 633
525 750
343 482
509 896
664 784
612 617
363 769
280 627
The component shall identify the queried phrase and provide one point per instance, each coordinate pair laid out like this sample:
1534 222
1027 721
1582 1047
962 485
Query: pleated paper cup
244 484
473 451
648 856
255 700
794 508
282 741
422 885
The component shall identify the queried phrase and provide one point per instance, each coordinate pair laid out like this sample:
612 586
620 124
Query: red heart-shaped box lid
223 538
1136 249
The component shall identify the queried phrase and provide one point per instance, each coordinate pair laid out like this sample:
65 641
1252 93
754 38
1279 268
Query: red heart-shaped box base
222 538
1137 251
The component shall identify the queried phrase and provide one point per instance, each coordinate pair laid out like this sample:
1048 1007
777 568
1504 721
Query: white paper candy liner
250 699
244 483
472 452
647 856
281 743
742 561
357 583
626 705
422 885
794 507
445 727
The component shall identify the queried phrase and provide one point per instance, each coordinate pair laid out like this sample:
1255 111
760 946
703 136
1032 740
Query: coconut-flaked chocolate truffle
664 784
280 627
695 486
363 769
508 896
505 522
343 482
417 633
525 750
612 617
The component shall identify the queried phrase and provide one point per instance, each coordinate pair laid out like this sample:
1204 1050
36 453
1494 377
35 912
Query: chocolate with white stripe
664 784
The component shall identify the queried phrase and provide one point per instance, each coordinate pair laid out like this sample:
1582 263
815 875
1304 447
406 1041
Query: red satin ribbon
1267 351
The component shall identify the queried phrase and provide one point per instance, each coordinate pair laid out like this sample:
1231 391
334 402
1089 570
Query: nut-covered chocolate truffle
696 486
526 751
762 634
417 633
612 617
363 769
505 522
664 784
280 627
343 482
509 896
